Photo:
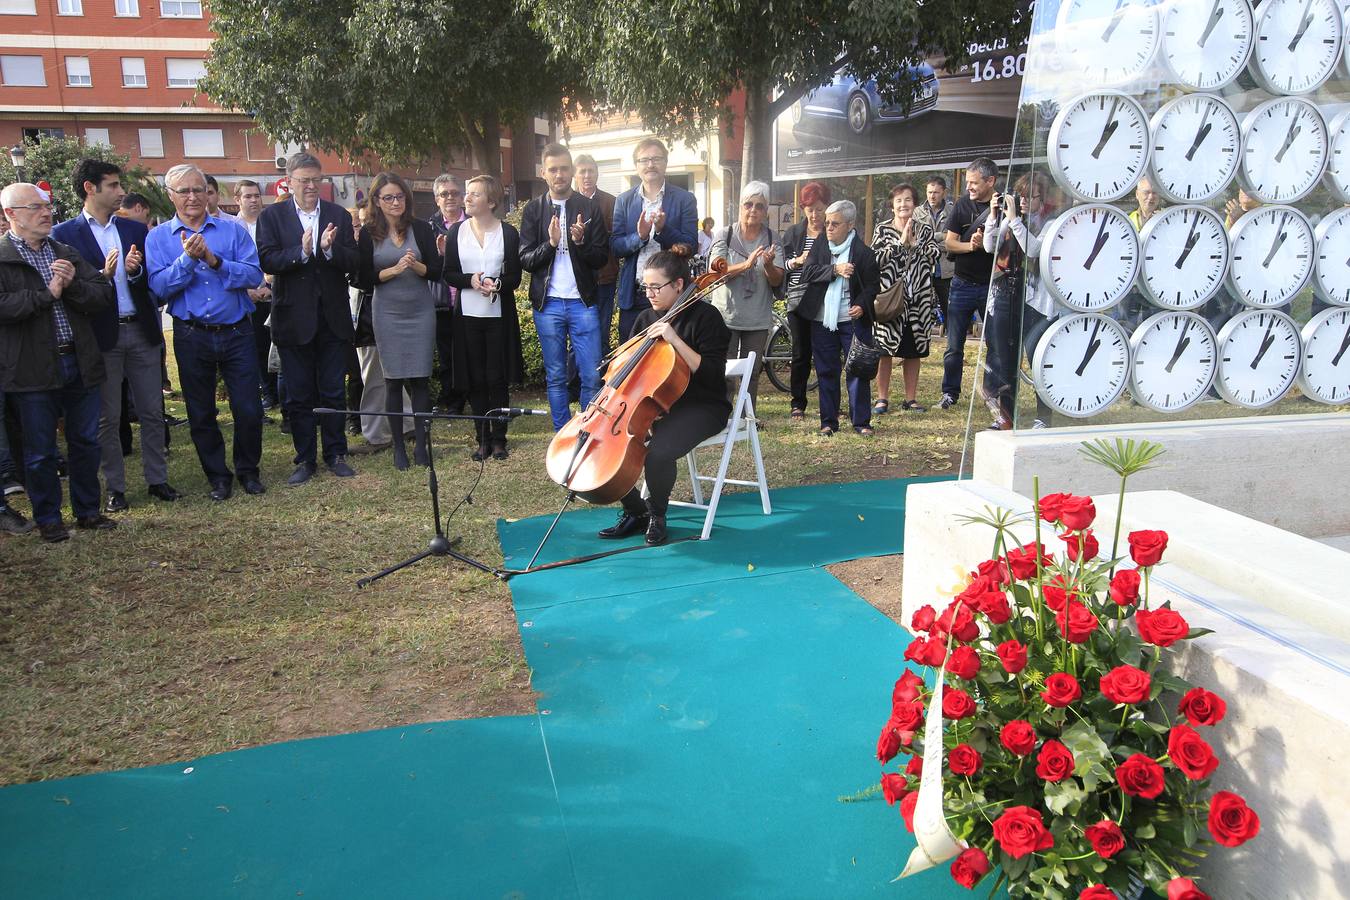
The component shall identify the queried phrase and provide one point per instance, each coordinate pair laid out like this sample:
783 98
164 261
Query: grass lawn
198 627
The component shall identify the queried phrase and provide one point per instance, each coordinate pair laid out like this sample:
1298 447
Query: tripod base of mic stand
439 545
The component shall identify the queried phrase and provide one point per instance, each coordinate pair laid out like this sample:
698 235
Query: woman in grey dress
398 258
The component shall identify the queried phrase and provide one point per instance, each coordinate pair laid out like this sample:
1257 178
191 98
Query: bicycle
778 355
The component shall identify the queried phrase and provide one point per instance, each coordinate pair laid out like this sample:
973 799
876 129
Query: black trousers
316 375
446 399
683 429
485 356
800 372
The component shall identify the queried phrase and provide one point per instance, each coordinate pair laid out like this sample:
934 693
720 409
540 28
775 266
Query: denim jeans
628 317
231 353
966 298
829 348
1002 334
39 412
604 309
559 320
6 459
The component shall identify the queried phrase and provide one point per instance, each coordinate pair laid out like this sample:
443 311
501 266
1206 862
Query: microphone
514 411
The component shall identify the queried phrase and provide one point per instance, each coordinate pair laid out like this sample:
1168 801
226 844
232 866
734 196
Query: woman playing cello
700 337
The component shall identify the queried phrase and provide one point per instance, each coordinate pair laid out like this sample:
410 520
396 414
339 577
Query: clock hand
1102 237
1110 128
1182 344
1115 21
1191 240
1294 131
1276 244
1345 343
1265 343
1093 346
1201 133
1303 27
1214 16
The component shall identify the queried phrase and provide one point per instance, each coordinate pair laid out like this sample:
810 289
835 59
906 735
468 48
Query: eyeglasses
306 182
392 198
649 160
750 204
189 191
40 207
654 289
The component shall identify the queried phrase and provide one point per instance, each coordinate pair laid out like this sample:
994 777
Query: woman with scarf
842 281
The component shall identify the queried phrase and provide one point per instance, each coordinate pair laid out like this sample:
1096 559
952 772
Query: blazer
76 233
305 289
609 272
368 277
28 357
536 253
818 272
512 359
681 228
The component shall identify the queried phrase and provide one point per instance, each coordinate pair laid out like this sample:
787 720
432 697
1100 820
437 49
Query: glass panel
133 72
185 72
77 71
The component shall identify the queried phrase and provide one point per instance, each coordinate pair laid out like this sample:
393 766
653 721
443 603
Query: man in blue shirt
202 267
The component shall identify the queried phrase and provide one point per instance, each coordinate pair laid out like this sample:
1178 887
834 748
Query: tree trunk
751 133
484 142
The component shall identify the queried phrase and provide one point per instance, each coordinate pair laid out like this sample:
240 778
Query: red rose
907 718
907 689
1190 753
1202 708
1050 504
1054 762
1097 892
1163 627
914 766
927 651
958 621
894 787
964 662
1126 684
956 704
1019 737
1140 776
996 570
1184 889
1058 592
1231 821
907 809
1106 838
964 759
994 604
923 618
1061 689
1076 513
1020 830
1125 587
1022 561
1013 655
1146 547
889 743
970 867
1077 542
1076 622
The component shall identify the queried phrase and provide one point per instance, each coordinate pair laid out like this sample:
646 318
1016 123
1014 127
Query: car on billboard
860 105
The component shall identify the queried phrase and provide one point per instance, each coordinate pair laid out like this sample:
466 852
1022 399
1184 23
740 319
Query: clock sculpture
1331 268
1104 42
1298 44
1099 146
1175 356
1284 150
1197 144
1089 257
1337 178
1258 358
1206 45
1324 374
1183 254
1081 364
1272 256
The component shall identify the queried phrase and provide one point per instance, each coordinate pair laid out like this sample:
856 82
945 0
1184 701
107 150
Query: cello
598 455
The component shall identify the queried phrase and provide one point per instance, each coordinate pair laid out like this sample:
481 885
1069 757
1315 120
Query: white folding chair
741 427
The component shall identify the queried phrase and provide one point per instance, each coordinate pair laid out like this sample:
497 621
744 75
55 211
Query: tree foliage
402 78
53 160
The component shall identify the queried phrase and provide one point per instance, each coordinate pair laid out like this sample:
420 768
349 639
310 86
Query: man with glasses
306 245
50 361
649 217
449 194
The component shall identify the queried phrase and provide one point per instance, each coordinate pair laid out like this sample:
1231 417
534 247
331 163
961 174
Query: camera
1010 203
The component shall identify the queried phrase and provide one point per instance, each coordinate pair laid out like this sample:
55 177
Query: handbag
892 303
863 360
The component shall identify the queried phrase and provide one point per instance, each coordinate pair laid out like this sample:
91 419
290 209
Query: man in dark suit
449 195
306 245
128 333
587 184
653 216
563 240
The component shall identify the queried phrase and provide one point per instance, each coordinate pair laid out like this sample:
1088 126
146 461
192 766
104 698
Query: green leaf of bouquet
1198 632
1129 648
1146 832
1064 797
1016 868
1189 831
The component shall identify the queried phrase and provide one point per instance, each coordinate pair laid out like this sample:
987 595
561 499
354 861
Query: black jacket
513 359
367 276
536 253
28 357
304 289
819 271
76 233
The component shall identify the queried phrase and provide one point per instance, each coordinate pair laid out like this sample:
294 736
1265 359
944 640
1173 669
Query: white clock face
1206 42
1298 44
1284 149
1089 257
1324 375
1081 364
1331 267
1183 256
1338 154
1175 356
1099 146
1258 358
1107 42
1272 256
1196 147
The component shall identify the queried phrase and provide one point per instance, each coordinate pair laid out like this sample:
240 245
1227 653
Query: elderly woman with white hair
754 271
842 282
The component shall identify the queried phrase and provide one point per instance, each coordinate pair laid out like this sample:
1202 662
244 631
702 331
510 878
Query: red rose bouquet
1076 763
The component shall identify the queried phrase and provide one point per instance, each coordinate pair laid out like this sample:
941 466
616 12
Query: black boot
628 525
656 530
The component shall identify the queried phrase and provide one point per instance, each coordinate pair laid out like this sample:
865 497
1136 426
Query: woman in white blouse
482 259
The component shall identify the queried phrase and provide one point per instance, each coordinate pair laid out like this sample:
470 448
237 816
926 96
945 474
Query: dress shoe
117 502
627 526
481 453
163 491
340 468
499 452
11 522
95 523
285 425
252 484
222 490
303 472
10 487
54 532
173 421
656 531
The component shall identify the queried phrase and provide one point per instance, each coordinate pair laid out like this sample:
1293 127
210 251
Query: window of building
77 71
94 136
69 7
203 142
152 142
180 9
18 7
23 71
36 135
185 73
127 7
133 72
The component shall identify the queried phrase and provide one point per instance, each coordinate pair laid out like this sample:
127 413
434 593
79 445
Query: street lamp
17 155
